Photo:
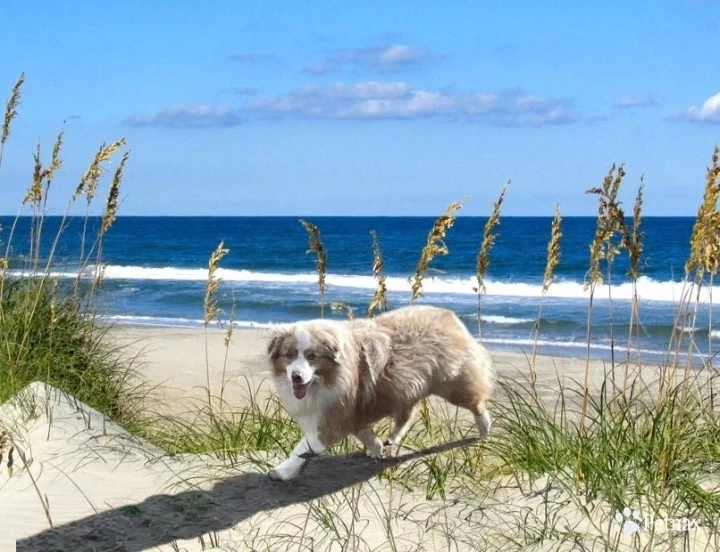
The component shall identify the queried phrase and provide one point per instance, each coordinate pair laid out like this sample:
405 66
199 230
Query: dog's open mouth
300 389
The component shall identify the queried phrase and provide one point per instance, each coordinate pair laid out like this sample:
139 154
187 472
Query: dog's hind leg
373 445
482 418
467 399
401 423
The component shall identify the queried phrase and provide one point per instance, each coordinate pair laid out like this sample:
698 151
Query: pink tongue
300 390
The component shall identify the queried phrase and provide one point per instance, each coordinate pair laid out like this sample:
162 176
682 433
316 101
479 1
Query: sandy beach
104 489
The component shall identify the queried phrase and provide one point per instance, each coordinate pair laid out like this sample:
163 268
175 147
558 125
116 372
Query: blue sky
367 108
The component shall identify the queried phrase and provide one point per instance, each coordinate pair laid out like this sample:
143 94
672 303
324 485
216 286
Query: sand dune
81 482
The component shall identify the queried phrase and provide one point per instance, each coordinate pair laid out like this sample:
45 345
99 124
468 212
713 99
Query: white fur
300 365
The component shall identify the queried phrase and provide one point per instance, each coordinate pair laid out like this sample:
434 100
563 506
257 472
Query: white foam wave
647 288
165 321
529 343
506 320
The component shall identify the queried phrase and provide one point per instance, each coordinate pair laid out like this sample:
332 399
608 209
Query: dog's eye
311 356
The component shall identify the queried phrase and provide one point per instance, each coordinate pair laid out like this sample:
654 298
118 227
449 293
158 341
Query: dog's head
304 354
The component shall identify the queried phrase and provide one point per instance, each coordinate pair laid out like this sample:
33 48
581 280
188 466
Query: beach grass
48 327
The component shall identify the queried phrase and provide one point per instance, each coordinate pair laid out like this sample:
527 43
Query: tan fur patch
282 351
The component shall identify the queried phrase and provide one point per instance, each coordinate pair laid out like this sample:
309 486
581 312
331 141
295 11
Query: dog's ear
277 335
329 341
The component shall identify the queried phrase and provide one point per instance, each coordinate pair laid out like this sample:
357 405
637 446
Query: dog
337 378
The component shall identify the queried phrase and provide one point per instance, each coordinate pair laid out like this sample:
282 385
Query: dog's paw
278 474
376 450
388 449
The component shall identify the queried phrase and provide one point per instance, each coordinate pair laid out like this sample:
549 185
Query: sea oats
111 206
35 192
213 284
316 246
379 298
11 107
483 258
553 250
11 110
705 238
610 222
551 262
89 181
434 246
633 238
38 191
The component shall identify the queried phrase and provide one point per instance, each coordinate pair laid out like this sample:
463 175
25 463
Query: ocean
157 268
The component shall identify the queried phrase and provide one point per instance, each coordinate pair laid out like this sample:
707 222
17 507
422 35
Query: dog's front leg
290 468
373 445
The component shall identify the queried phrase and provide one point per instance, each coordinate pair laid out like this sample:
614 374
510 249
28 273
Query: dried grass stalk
11 110
341 306
111 205
483 258
89 181
705 238
553 250
633 238
211 309
34 194
434 246
316 246
379 298
38 191
553 258
213 284
610 222
633 242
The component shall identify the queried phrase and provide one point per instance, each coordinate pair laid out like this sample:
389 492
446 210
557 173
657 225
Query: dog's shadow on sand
161 519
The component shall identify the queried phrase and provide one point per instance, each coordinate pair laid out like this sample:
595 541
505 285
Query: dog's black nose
296 377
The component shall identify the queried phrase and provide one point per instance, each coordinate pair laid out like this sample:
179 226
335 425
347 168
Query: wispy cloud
633 102
192 116
250 57
708 112
385 58
397 100
374 100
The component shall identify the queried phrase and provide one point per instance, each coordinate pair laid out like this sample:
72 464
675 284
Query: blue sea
157 269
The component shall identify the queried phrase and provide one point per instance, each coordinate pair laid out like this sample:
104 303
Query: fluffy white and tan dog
336 378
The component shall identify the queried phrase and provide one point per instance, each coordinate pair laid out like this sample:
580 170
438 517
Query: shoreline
598 353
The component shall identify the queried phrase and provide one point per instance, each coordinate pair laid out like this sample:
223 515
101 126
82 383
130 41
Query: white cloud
709 112
631 102
397 100
373 100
